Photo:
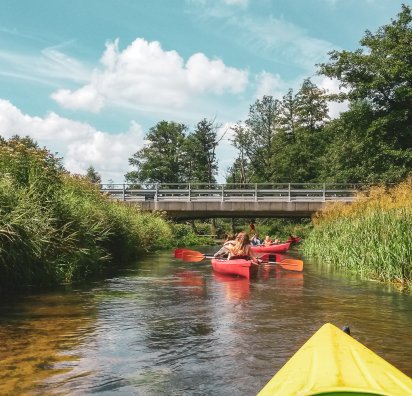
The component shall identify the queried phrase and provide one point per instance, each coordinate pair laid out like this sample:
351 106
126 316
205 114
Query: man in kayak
256 241
223 252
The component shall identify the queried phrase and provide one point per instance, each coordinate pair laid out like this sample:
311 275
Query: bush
371 236
56 227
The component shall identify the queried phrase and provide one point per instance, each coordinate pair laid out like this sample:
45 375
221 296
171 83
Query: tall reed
56 227
371 236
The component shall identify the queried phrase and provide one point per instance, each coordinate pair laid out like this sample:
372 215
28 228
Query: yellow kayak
331 362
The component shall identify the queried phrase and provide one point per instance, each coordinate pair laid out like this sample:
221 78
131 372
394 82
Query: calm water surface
165 327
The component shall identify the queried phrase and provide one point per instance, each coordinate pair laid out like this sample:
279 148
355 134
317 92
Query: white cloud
270 84
286 42
269 37
80 144
332 87
84 98
144 74
52 65
226 152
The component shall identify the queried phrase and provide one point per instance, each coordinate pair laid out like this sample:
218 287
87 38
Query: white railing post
223 192
289 199
156 197
324 192
256 193
124 192
189 193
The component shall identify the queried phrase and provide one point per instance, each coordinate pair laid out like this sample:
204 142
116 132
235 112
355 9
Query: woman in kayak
241 248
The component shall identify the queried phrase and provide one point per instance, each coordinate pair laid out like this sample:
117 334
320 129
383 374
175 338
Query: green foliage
161 160
56 228
378 126
93 176
171 156
200 147
371 236
184 235
282 140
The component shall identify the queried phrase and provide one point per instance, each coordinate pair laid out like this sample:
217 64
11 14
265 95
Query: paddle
287 264
178 253
192 256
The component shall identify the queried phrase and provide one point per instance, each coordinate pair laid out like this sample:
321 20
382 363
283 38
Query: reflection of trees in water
186 291
36 338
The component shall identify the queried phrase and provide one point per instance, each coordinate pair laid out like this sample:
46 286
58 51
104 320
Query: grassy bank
371 236
56 227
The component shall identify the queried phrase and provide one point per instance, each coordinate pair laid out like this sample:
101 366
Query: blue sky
88 78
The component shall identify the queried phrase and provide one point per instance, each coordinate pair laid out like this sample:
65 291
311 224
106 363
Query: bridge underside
204 210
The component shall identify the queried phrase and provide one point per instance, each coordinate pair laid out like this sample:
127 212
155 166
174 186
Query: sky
88 78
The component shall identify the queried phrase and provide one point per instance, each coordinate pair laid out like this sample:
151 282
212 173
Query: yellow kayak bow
331 362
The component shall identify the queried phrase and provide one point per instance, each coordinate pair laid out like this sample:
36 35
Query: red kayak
294 241
277 248
240 267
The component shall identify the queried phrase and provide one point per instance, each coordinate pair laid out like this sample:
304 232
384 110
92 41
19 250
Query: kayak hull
278 248
331 362
239 267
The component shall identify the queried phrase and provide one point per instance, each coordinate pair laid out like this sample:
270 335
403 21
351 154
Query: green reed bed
56 227
371 236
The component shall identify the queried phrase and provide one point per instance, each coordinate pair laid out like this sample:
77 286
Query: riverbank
56 227
372 236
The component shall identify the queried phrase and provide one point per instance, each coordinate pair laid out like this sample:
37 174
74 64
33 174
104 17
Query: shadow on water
166 327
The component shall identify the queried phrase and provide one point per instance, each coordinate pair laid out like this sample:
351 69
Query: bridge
197 200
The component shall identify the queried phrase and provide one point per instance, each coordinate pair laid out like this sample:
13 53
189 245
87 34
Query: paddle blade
291 264
179 252
288 264
192 257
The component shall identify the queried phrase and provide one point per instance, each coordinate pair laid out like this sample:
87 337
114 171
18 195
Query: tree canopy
292 139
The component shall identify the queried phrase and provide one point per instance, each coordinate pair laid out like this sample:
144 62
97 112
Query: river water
165 327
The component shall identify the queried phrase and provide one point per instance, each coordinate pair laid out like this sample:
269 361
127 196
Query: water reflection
235 288
39 337
166 327
269 271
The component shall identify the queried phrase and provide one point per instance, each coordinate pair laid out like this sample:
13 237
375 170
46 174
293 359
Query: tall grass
372 236
56 227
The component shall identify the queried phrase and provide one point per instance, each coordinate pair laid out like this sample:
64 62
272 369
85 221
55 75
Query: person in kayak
256 241
242 248
223 252
267 241
252 227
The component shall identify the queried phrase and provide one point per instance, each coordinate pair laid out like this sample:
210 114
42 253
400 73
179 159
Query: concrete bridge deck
188 201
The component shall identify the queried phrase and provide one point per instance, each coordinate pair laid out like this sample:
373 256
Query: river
165 327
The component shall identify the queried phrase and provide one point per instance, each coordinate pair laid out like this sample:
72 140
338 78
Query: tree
378 78
256 139
357 152
239 172
311 107
382 73
93 176
288 117
161 160
200 148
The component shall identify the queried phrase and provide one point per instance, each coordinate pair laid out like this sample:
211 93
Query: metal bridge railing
258 192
